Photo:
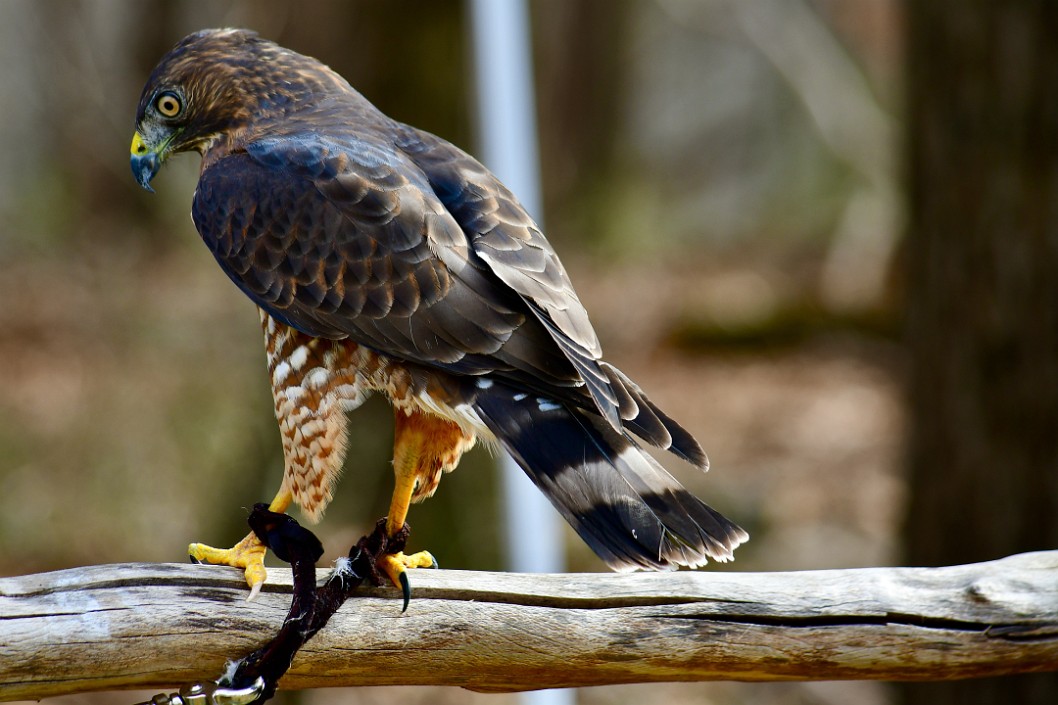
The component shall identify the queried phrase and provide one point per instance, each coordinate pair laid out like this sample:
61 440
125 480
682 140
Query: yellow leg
248 554
411 455
404 470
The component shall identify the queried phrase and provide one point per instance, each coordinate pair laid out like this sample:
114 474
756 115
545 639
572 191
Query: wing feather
341 240
414 249
505 237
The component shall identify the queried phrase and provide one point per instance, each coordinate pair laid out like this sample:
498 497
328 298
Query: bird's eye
168 104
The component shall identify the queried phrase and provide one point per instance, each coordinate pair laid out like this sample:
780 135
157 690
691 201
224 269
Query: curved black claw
193 559
405 589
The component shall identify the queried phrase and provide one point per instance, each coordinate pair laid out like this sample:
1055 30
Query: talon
405 589
248 554
392 566
395 566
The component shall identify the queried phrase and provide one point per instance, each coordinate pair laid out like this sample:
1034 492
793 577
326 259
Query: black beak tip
144 167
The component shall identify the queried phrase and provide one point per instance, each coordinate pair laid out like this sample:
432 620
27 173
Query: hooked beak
145 162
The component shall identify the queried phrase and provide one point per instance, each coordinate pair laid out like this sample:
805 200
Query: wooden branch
162 625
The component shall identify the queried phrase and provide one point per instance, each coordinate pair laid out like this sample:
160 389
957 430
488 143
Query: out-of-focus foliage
730 136
133 374
749 142
716 174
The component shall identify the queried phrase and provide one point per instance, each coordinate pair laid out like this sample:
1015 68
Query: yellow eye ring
168 104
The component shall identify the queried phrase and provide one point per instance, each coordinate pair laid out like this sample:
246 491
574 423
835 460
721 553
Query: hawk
384 259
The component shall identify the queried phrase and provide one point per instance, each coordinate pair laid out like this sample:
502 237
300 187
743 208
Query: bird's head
210 86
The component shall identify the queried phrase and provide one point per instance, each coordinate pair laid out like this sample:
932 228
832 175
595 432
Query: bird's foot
248 554
387 557
395 566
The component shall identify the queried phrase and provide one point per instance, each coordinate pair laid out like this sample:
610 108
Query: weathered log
163 625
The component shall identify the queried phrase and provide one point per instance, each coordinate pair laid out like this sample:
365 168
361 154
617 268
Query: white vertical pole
506 115
507 134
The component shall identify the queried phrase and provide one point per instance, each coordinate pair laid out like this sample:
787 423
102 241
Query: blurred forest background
729 184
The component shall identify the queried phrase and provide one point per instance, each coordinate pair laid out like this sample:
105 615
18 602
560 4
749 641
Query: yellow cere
138 147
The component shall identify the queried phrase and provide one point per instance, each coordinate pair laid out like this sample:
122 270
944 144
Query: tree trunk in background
982 254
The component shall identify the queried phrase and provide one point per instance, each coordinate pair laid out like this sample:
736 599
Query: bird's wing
504 235
429 260
346 239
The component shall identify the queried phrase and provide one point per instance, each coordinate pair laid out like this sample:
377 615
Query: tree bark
163 626
982 254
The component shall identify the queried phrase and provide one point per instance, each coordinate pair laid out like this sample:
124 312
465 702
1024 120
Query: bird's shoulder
395 206
419 192
502 233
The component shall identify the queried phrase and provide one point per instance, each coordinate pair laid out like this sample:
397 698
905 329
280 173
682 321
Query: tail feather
621 502
622 403
643 418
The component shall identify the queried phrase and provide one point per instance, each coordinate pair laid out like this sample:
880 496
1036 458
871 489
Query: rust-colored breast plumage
315 381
